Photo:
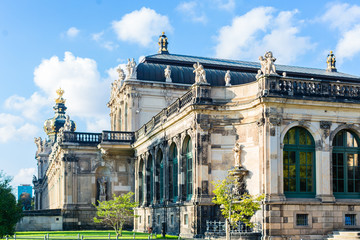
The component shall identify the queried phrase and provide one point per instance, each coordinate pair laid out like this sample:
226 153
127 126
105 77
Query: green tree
240 209
10 211
115 212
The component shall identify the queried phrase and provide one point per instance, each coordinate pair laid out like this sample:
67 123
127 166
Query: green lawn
86 235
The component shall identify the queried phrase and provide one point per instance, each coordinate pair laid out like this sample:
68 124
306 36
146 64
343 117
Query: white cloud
86 93
14 128
192 10
341 16
345 19
109 45
72 32
227 5
141 26
261 30
31 107
349 44
97 36
24 176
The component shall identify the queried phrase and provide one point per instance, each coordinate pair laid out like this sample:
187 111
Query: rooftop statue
331 60
121 73
227 78
163 44
267 64
200 74
167 73
131 69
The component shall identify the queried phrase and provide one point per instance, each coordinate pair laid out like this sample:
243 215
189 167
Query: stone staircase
344 235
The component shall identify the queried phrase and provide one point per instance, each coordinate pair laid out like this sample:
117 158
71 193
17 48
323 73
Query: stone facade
170 140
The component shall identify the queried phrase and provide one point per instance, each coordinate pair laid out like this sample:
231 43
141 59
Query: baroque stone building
174 123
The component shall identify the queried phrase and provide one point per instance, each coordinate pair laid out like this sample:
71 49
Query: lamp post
228 222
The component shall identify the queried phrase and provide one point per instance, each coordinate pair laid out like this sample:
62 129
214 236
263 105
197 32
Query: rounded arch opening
299 163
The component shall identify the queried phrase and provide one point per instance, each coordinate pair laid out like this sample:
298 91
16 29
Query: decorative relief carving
325 125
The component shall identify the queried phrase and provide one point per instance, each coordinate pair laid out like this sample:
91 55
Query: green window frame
174 174
150 185
299 164
141 182
345 165
161 176
189 165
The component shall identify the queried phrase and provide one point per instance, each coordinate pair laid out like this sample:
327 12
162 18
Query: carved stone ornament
200 74
67 125
131 69
325 125
267 64
167 73
227 78
39 144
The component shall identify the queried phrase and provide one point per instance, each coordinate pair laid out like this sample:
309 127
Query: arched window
160 176
188 168
345 165
299 163
149 180
173 173
141 181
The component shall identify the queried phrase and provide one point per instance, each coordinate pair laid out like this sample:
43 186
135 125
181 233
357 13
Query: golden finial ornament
60 93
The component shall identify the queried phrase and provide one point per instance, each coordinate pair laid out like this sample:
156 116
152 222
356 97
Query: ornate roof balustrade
96 138
112 136
192 96
82 137
309 89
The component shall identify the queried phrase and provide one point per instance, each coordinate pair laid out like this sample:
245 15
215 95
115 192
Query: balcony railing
96 138
82 137
112 136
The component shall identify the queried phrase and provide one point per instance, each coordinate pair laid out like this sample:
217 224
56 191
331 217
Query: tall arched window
149 180
299 163
160 176
345 165
173 173
188 168
141 181
114 122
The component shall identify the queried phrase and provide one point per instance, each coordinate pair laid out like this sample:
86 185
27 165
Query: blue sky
77 45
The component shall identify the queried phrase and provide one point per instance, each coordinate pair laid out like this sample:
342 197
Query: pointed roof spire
331 60
163 44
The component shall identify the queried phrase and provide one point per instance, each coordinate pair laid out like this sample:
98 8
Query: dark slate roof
152 69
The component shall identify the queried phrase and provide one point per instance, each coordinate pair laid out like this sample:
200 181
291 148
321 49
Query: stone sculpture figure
121 73
67 125
200 74
237 155
227 78
167 73
131 68
102 186
267 64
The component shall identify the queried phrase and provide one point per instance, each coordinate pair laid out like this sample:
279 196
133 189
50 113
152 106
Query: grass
86 235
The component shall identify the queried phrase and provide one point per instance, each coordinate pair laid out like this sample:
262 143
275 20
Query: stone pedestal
102 198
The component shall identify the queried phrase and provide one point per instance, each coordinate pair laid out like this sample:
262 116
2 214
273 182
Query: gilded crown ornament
60 93
60 121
